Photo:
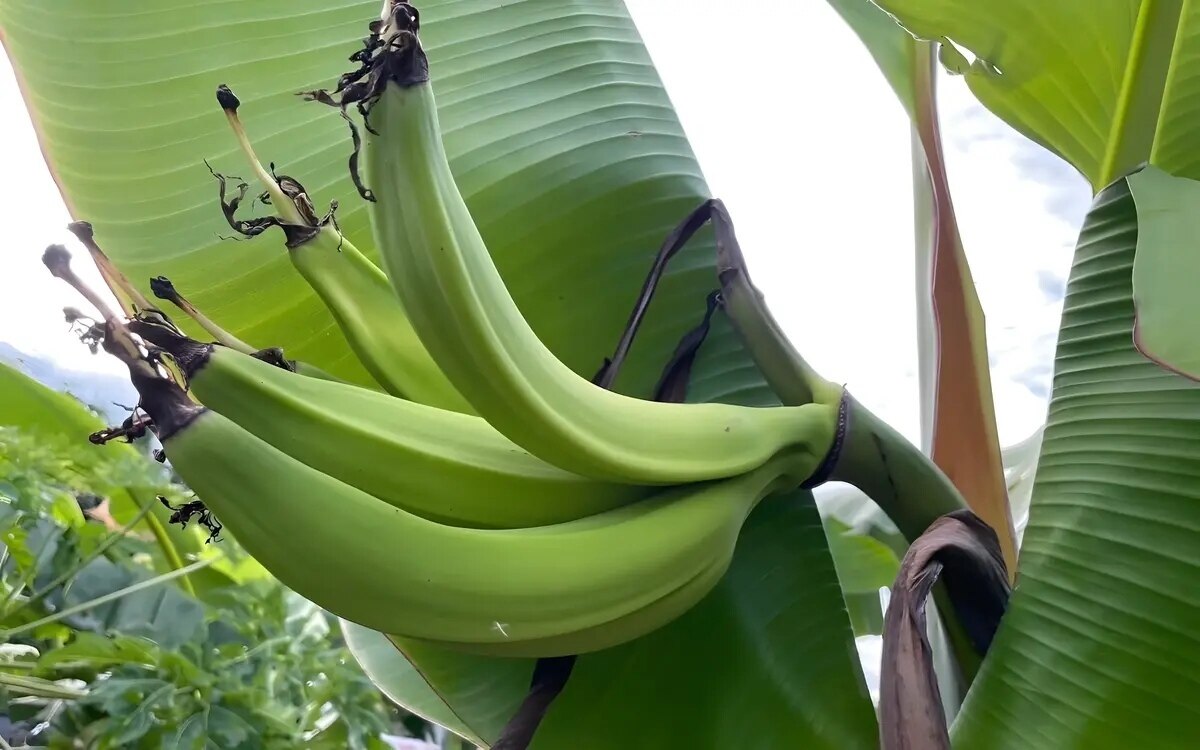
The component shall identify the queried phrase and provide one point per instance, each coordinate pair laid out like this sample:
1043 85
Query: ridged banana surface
441 465
565 588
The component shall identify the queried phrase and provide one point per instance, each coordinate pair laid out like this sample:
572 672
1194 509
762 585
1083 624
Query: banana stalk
352 288
162 288
869 453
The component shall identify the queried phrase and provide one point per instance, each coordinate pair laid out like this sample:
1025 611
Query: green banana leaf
573 163
1166 267
28 405
474 696
1108 86
1097 649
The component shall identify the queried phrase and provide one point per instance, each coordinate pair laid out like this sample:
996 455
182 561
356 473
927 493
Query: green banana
444 466
462 311
567 588
353 289
608 634
370 316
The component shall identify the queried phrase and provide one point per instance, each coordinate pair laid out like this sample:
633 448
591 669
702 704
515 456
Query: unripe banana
612 633
571 587
444 466
370 316
353 289
462 311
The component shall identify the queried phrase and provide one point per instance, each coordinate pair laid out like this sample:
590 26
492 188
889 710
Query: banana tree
567 152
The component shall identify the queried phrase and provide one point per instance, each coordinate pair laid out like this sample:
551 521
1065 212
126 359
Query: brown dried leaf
965 553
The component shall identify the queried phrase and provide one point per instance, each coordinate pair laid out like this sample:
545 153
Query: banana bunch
564 588
492 501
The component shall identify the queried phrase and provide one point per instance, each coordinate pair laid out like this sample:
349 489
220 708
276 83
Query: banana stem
165 290
84 233
119 343
911 490
790 377
893 472
869 454
117 340
283 204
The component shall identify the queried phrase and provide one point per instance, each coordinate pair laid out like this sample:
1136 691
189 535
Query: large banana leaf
1056 71
474 697
1098 649
574 164
1106 85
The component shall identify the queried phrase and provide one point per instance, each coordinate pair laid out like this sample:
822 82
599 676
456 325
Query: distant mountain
100 391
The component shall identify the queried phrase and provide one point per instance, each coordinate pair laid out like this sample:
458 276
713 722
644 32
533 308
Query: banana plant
1112 483
604 231
552 152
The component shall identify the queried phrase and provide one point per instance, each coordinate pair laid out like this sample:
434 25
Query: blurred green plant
100 651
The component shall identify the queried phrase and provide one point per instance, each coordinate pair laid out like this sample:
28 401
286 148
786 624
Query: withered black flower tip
161 287
274 356
82 230
57 260
189 355
182 514
227 99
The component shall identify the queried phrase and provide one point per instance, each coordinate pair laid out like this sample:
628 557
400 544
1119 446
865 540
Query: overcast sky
809 148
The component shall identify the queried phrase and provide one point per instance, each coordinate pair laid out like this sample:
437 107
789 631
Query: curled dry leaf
965 553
